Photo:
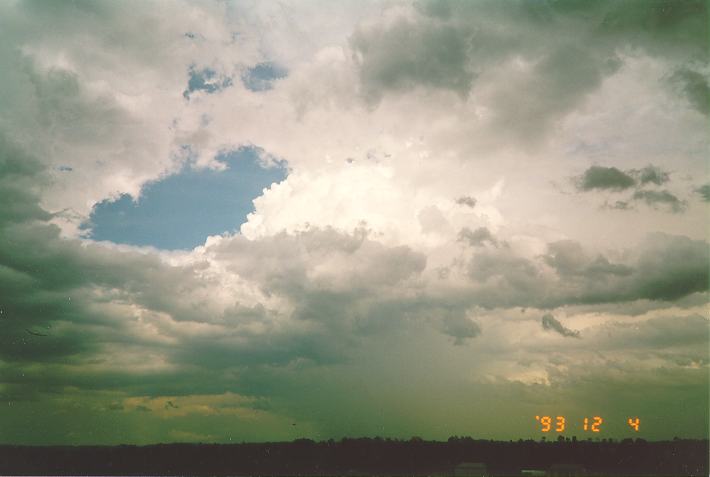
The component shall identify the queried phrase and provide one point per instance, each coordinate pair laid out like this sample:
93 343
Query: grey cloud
466 200
46 281
53 57
19 181
336 288
478 237
566 256
405 55
553 87
62 286
601 266
342 287
695 87
601 178
704 192
660 198
663 28
619 205
672 267
460 328
653 175
504 279
549 322
616 180
451 45
569 258
514 269
282 262
665 268
32 279
659 334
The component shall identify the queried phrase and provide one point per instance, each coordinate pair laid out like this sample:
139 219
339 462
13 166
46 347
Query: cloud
454 46
347 272
663 268
403 55
615 180
460 328
695 87
599 177
477 237
659 199
619 205
652 174
466 200
569 258
549 322
704 192
671 267
660 333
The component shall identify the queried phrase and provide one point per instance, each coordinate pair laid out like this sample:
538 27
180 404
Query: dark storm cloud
32 278
61 289
666 268
304 318
569 258
660 199
695 87
330 311
67 291
460 328
405 55
449 45
601 178
672 267
19 185
549 322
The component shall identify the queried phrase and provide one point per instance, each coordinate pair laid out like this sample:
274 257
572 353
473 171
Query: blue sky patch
181 210
206 80
262 76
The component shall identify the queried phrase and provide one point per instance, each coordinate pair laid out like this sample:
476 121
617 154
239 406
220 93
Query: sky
228 221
